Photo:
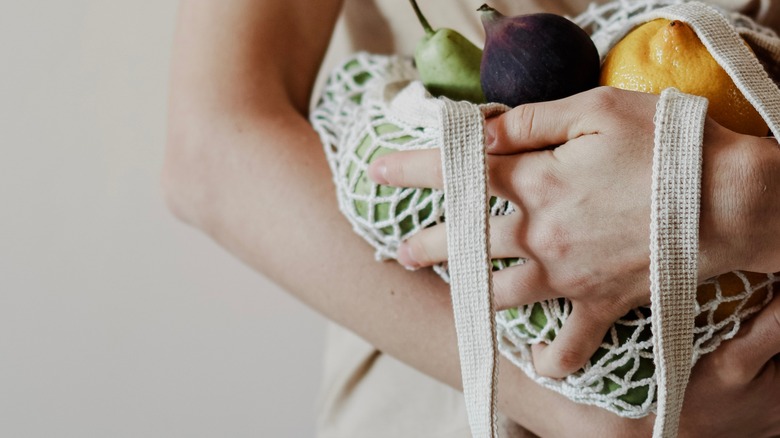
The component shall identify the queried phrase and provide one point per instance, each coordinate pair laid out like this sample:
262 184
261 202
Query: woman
244 166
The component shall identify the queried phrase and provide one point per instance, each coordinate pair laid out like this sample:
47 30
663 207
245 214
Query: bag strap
676 196
674 247
674 224
465 187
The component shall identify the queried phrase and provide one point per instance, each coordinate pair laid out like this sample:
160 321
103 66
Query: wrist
760 232
739 215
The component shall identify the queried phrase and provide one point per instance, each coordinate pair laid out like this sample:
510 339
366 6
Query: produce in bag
357 125
666 53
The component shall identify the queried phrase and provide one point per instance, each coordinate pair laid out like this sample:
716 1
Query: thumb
758 341
539 125
580 337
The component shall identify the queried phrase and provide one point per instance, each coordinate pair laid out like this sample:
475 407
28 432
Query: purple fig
535 58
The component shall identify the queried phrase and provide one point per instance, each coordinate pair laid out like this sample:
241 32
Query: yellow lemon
661 54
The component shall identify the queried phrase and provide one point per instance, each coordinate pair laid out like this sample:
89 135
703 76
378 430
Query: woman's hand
242 160
579 172
735 391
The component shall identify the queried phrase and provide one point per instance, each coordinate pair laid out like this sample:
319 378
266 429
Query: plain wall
115 319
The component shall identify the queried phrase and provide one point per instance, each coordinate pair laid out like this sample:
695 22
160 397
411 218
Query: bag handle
676 199
674 223
674 248
465 188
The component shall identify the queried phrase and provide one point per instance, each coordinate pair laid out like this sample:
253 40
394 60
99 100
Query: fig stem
489 13
426 26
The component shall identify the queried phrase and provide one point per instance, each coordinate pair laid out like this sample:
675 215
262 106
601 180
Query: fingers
757 342
529 127
429 246
527 176
520 285
426 248
523 179
539 125
420 169
580 337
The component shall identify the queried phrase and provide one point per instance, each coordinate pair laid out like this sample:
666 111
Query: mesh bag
358 121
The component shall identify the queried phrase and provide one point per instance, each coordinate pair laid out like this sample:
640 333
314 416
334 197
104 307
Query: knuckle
736 374
748 173
730 370
767 335
567 360
508 232
576 283
549 180
504 288
518 284
605 98
775 317
606 104
538 185
549 241
519 127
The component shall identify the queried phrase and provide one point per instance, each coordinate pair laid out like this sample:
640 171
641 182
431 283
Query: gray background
115 319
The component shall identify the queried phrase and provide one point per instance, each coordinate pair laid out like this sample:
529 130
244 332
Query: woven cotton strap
674 247
676 191
465 185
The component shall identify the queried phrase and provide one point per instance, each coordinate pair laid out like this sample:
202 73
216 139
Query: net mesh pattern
356 126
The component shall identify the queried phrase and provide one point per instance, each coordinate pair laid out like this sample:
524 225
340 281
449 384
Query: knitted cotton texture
465 180
674 249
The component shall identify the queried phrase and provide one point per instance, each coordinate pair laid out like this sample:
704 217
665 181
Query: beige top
366 393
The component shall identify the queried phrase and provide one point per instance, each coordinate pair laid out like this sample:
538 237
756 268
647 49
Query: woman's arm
583 219
243 165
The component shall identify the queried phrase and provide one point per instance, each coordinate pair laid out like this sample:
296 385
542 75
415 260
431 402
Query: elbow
184 178
171 187
206 154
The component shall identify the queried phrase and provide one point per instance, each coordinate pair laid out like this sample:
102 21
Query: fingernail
377 171
490 134
405 257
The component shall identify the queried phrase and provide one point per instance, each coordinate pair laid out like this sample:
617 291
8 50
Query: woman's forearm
275 208
244 165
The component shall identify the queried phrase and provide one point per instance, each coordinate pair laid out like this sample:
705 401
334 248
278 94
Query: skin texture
586 235
244 166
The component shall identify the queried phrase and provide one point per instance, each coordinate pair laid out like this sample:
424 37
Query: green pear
448 63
